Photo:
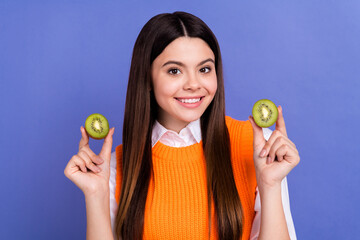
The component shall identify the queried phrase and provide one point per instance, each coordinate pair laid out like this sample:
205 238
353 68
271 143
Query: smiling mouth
189 100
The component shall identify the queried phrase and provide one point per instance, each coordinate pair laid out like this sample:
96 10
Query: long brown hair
140 115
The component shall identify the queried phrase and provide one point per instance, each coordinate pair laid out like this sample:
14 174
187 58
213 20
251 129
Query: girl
184 170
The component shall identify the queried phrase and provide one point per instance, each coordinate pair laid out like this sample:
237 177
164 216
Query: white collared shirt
190 135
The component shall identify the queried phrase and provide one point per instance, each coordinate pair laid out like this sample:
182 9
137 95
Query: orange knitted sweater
176 205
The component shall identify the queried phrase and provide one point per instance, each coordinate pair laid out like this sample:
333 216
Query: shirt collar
193 128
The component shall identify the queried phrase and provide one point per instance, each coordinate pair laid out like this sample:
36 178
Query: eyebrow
181 64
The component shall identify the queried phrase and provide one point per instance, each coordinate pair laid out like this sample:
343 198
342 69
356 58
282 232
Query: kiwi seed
97 126
265 113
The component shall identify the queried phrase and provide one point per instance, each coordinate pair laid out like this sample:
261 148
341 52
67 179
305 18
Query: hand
271 171
91 172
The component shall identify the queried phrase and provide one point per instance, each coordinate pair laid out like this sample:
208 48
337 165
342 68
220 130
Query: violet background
63 60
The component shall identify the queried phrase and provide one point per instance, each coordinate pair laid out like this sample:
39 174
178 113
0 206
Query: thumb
105 152
259 139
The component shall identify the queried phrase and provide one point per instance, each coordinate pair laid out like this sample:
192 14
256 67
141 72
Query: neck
175 126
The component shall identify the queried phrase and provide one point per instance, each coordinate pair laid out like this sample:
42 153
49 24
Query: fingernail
98 169
268 160
262 153
100 160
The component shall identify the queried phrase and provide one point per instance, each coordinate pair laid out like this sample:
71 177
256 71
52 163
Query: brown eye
205 70
174 71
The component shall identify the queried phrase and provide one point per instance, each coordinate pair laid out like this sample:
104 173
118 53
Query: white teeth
194 100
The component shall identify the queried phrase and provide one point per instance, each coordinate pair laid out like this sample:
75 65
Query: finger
70 167
80 163
279 142
84 138
280 122
288 155
275 135
259 139
282 152
95 158
105 152
280 158
89 164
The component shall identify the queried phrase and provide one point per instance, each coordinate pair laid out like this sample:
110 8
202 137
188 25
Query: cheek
164 91
211 86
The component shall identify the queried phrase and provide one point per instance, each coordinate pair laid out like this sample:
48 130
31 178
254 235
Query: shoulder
244 129
240 132
241 145
231 122
238 126
117 162
118 149
118 156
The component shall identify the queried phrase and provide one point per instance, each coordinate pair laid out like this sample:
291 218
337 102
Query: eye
205 69
174 71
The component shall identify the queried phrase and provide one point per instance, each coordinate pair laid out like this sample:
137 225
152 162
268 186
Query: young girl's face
184 81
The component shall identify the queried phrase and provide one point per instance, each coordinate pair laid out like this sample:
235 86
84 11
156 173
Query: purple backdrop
63 60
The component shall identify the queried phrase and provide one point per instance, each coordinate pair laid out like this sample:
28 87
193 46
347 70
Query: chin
190 117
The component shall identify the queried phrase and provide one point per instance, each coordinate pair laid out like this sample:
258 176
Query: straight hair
140 115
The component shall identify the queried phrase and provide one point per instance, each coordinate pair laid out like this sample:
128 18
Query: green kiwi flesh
265 113
97 126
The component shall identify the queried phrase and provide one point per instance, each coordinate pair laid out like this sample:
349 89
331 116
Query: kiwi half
97 126
265 113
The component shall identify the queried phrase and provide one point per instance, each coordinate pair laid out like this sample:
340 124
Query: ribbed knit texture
176 205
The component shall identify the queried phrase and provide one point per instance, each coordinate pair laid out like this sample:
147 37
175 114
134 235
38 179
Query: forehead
186 49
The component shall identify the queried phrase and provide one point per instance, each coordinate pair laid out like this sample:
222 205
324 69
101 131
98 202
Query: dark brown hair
140 115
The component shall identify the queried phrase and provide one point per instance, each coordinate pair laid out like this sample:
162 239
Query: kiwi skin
102 122
257 113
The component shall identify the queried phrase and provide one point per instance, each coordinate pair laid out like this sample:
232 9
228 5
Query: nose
192 82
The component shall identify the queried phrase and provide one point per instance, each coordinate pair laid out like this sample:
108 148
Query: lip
191 97
190 105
